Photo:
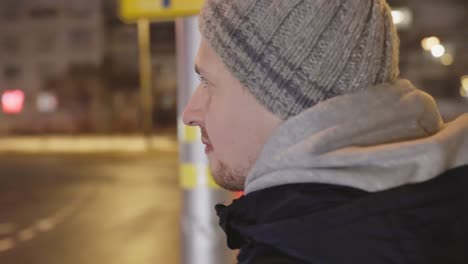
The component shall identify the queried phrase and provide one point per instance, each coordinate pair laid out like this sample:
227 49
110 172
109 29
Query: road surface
89 209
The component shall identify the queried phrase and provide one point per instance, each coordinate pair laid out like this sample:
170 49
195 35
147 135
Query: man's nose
193 112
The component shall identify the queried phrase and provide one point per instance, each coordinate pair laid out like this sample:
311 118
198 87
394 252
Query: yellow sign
132 10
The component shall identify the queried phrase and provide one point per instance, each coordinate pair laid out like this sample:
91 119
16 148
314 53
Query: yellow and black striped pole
202 240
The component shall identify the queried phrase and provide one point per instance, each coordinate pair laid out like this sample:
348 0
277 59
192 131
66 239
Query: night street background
77 184
89 209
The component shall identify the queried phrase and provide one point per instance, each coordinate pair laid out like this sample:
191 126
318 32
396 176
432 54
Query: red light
238 195
12 101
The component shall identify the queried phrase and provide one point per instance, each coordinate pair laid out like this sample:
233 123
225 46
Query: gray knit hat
292 54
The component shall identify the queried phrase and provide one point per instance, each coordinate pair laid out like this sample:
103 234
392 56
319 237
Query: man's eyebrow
197 70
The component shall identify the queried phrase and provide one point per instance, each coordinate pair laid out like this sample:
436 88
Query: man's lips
208 146
205 140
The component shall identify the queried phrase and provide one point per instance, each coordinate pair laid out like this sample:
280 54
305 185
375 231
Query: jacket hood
385 137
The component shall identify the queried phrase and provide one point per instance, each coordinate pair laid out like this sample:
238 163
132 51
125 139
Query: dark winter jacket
420 223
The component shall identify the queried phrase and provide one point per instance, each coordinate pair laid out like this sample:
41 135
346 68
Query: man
301 106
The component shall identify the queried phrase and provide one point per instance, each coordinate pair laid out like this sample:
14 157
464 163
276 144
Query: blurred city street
92 139
89 208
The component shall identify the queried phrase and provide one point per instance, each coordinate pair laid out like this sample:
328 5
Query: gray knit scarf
382 138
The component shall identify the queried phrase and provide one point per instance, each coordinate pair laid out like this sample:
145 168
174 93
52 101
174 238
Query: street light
402 17
447 59
398 17
464 82
438 51
464 86
429 43
12 101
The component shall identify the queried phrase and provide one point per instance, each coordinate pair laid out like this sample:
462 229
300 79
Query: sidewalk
87 144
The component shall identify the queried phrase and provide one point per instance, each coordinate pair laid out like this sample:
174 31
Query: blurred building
82 53
77 62
43 40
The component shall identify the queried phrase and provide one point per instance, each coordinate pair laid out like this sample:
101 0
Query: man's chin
229 186
227 178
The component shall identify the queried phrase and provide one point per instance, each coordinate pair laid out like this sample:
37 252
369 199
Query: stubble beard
229 178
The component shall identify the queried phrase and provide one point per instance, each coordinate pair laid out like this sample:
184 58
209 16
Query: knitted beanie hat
292 54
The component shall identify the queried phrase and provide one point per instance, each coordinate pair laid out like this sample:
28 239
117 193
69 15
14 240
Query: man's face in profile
234 125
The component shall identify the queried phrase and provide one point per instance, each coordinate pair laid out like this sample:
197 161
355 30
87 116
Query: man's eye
203 81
